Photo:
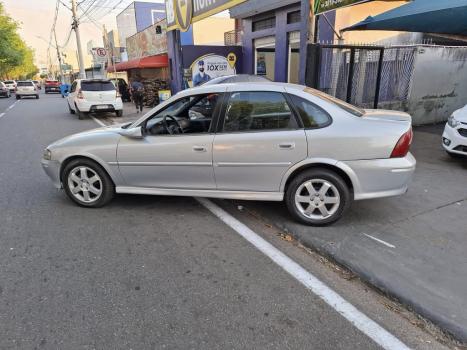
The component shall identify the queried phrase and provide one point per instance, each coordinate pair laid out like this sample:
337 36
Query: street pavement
153 272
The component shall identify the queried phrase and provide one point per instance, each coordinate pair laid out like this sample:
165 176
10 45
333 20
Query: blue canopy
425 16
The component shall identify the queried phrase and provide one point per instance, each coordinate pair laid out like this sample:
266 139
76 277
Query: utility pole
59 58
75 26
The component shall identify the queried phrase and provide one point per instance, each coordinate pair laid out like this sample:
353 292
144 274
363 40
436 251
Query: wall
439 84
210 31
126 24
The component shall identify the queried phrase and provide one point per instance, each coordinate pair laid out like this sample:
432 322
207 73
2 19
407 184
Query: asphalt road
150 272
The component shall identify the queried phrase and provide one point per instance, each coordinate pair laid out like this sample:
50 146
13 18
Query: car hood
461 114
88 136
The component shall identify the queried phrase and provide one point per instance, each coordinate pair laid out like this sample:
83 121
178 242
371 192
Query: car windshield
24 83
97 86
358 112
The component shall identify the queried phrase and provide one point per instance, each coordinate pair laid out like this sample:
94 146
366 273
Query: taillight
403 145
80 95
117 95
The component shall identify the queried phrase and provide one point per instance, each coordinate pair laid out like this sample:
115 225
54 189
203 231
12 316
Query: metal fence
364 75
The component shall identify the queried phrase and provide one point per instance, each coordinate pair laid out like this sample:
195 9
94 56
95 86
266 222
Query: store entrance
265 57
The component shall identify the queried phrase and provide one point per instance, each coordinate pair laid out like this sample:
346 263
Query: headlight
452 122
47 154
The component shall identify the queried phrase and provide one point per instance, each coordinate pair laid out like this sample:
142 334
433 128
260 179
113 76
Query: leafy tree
16 58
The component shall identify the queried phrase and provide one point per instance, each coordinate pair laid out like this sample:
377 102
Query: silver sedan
249 141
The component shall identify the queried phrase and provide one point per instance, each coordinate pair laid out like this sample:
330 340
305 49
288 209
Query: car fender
113 173
326 161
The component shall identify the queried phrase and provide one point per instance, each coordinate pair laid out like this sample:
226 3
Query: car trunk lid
384 114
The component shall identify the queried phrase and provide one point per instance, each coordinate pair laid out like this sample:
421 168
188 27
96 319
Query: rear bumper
52 169
93 107
378 178
52 89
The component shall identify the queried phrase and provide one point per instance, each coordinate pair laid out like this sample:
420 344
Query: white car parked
10 84
94 96
26 88
455 133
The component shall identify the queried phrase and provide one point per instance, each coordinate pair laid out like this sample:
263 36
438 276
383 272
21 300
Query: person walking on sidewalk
137 89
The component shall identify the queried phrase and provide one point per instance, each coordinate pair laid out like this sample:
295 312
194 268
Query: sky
35 18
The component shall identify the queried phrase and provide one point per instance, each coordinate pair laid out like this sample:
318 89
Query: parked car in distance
38 84
4 91
52 86
94 96
26 88
248 141
10 84
455 133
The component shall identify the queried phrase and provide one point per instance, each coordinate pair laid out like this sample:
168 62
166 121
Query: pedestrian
137 89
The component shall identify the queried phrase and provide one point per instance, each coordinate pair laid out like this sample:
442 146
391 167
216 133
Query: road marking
13 105
369 327
98 121
2 114
380 241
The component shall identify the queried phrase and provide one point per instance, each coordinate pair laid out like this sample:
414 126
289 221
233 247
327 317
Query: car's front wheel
317 197
87 184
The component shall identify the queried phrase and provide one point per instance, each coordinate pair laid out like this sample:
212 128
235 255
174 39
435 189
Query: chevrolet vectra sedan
249 141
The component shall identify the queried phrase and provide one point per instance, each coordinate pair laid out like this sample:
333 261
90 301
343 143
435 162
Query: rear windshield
8 81
24 83
97 86
51 81
358 112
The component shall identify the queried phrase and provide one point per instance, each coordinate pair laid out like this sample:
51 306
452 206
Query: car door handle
287 145
199 148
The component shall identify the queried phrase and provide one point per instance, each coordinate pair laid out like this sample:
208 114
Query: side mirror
133 133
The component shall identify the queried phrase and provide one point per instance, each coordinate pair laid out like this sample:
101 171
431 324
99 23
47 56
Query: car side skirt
241 195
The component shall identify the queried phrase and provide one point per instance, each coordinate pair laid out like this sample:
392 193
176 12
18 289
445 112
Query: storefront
148 61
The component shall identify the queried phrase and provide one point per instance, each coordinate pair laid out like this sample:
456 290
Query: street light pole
59 58
75 25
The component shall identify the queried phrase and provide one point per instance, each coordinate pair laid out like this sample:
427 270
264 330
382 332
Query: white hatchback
455 133
94 96
26 88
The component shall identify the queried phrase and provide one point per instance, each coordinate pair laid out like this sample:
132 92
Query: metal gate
360 74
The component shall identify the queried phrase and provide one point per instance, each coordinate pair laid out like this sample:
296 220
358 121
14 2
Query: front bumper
454 142
52 169
378 178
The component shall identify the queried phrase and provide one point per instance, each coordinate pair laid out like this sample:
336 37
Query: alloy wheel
85 184
317 199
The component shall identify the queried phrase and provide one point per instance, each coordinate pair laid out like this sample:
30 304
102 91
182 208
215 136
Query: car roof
265 86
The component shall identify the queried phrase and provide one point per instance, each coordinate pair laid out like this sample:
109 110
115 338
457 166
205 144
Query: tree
16 58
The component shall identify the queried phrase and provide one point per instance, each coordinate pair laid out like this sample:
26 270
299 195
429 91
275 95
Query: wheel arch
339 168
93 159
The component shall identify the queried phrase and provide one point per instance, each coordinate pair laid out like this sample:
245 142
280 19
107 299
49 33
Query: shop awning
157 61
425 16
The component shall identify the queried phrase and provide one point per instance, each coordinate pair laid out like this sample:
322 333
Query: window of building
256 111
266 23
293 17
311 115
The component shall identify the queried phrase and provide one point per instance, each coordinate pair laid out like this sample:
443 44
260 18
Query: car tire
70 110
119 113
81 115
317 197
76 191
18 97
37 97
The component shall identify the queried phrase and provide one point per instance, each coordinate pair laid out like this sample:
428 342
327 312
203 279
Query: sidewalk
421 257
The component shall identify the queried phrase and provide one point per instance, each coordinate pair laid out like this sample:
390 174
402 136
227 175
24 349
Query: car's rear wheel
87 184
119 113
81 115
37 97
70 110
317 197
18 97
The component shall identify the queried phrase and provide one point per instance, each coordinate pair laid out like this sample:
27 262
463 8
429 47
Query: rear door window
258 111
97 86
